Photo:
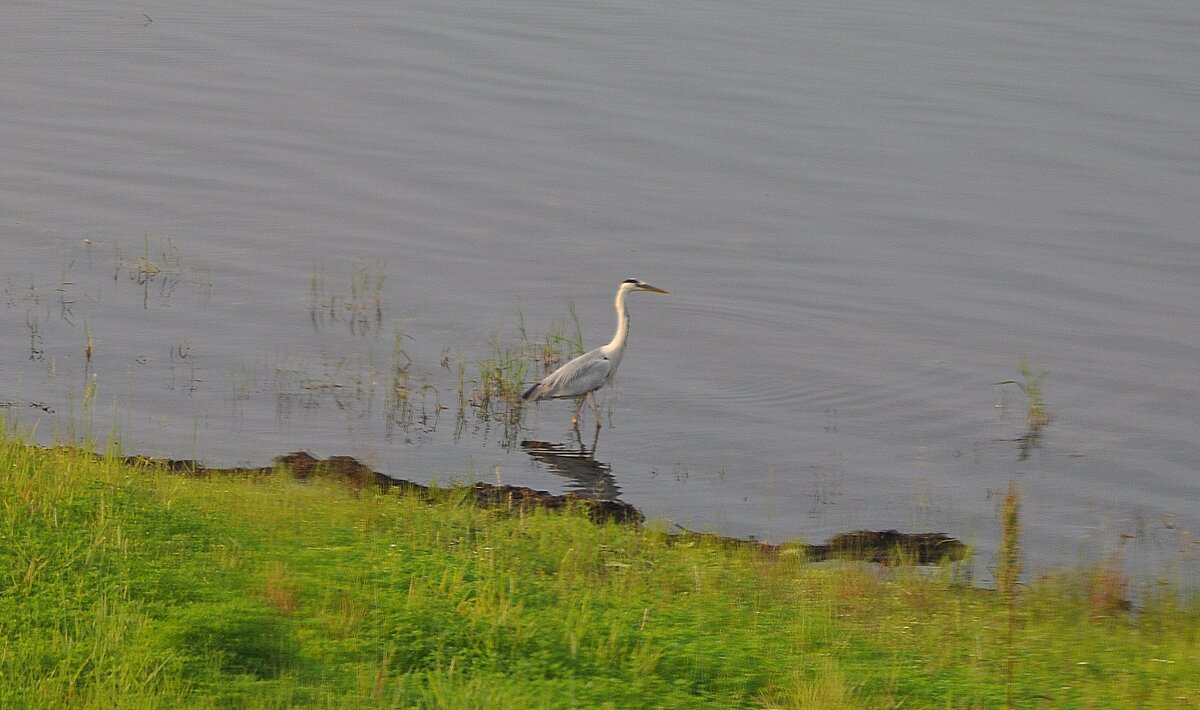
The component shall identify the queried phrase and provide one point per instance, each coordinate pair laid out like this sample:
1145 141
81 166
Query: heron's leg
575 416
595 406
591 455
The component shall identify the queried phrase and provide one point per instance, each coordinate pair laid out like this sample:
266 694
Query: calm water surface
866 214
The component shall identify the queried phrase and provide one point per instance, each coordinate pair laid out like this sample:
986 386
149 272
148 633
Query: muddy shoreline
884 547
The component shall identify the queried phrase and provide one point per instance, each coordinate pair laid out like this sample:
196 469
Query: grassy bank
128 586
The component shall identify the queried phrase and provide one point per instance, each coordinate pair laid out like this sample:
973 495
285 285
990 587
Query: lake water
867 214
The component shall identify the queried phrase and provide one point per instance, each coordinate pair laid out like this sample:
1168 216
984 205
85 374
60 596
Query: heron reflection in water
585 475
582 376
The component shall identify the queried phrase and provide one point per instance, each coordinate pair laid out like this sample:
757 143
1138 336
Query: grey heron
582 376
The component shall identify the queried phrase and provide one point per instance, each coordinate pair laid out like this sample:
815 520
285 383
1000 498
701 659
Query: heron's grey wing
578 377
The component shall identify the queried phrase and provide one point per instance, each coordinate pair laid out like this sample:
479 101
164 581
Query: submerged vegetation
127 585
346 370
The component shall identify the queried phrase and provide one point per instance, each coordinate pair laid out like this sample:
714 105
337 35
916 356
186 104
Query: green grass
131 587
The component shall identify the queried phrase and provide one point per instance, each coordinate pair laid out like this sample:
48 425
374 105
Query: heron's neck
617 345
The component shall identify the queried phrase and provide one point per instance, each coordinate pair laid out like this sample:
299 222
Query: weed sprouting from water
183 368
360 304
1037 415
242 386
89 346
400 358
163 269
409 409
65 302
494 395
415 411
461 368
503 374
398 398
562 341
366 289
501 377
36 343
316 303
325 303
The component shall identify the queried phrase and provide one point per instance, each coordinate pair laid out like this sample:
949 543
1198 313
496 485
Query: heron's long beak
648 287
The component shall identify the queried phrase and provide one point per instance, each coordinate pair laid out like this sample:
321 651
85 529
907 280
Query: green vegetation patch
130 586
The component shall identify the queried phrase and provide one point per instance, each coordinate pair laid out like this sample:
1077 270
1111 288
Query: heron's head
635 285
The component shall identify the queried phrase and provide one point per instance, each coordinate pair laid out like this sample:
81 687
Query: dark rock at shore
884 547
889 546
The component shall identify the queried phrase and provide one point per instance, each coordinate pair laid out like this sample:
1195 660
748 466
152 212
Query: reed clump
1037 414
501 377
